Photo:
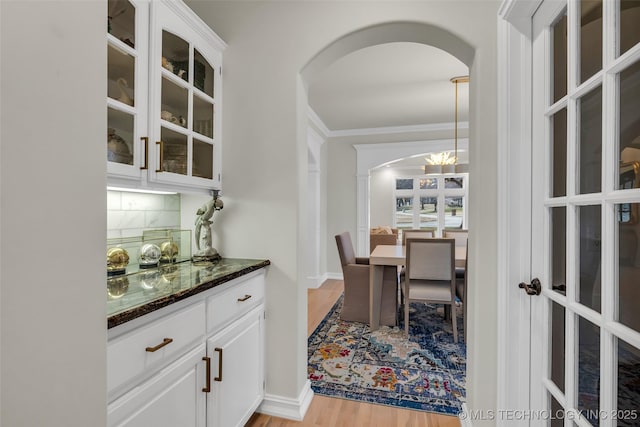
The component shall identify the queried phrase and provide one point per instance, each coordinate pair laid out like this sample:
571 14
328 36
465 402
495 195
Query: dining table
383 255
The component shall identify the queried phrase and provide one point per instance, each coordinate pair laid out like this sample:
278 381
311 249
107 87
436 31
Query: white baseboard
317 281
334 276
314 282
285 407
465 420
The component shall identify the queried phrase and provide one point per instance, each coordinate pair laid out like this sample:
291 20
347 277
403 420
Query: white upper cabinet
180 143
185 97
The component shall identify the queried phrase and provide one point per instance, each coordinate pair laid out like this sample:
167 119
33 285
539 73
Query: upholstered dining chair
382 239
356 270
430 276
416 234
461 290
461 237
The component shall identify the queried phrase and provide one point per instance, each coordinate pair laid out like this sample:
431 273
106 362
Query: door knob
535 288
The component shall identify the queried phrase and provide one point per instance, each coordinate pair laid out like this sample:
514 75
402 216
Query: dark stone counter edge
125 316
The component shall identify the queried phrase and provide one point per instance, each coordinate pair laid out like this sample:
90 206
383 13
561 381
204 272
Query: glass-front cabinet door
586 198
127 87
186 61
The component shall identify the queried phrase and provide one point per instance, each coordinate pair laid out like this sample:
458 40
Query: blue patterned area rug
425 373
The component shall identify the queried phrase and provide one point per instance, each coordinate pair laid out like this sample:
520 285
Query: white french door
585 366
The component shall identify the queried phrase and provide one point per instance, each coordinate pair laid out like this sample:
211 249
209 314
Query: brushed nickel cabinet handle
219 377
161 144
246 297
146 153
207 388
164 342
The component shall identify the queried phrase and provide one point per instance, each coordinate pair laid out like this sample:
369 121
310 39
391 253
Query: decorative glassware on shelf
175 245
155 248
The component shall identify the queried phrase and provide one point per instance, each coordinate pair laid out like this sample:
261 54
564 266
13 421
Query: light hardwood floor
327 411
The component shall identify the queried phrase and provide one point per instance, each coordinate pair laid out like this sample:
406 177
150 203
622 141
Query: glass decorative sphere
149 255
117 287
117 259
150 280
169 251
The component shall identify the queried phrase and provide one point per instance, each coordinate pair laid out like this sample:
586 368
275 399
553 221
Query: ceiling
390 85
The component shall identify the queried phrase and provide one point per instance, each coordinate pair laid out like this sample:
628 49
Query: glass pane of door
120 129
628 264
560 58
629 18
559 154
121 21
202 159
203 75
175 55
174 153
558 249
629 125
590 256
557 345
628 379
175 102
121 76
590 141
202 117
557 413
590 38
589 370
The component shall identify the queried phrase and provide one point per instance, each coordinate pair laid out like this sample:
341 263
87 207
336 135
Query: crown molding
387 130
318 123
195 22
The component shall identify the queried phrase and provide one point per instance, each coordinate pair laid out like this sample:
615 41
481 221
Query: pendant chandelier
444 162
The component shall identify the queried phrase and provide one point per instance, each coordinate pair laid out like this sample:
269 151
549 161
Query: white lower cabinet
238 371
171 398
191 367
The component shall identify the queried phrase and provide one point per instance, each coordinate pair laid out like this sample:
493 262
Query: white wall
381 201
53 216
265 157
129 214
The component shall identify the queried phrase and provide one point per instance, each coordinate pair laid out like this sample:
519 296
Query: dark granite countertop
135 295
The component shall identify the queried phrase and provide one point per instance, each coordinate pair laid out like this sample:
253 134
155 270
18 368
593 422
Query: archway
391 32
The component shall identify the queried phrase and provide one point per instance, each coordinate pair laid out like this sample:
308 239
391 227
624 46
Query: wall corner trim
286 407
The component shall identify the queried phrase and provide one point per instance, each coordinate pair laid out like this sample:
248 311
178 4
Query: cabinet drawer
153 345
234 302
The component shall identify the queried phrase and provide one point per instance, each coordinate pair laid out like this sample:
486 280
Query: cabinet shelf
121 46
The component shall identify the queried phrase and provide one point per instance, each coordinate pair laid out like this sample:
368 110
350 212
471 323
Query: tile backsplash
128 214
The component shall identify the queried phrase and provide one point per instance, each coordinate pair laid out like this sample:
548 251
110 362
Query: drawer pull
219 377
246 297
164 342
207 388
